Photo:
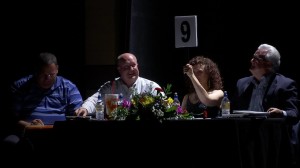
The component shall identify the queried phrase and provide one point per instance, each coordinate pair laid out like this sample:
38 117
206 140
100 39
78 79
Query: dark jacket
281 93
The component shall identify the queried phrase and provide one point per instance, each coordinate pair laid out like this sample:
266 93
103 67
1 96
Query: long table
235 142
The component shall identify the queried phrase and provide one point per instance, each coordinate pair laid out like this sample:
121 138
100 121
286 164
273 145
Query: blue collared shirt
258 93
30 102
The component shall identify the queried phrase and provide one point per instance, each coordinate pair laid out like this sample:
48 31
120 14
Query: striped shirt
258 93
30 102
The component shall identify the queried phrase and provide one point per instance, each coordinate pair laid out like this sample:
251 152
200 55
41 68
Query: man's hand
81 111
275 112
37 122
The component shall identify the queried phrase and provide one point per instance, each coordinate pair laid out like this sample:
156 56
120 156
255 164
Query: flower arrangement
154 104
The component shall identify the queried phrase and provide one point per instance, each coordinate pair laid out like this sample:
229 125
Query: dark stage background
228 33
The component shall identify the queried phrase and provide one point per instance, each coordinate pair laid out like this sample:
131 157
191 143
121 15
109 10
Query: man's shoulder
245 79
281 76
143 79
284 79
65 81
147 81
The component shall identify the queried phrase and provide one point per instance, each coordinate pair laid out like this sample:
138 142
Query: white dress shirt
117 86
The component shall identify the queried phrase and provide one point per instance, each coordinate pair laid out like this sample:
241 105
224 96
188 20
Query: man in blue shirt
44 97
41 98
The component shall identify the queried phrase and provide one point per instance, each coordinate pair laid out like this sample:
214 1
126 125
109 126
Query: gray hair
272 55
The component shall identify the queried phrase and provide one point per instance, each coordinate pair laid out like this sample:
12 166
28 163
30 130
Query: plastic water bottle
176 101
225 105
99 108
121 97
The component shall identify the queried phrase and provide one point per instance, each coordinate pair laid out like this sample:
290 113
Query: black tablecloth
240 142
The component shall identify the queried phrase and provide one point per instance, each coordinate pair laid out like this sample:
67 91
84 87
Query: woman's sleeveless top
198 109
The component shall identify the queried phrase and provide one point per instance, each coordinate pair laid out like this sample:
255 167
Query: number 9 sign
186 31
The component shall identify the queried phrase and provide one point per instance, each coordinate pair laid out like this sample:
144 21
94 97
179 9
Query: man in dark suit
268 91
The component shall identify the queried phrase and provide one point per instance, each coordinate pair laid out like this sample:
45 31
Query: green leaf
173 108
167 90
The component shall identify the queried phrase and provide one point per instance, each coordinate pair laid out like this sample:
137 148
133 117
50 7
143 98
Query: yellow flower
149 105
170 100
147 100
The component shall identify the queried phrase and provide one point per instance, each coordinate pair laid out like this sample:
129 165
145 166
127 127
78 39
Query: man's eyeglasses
46 76
259 58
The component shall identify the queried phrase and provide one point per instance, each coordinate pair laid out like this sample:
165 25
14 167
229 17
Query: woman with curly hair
204 87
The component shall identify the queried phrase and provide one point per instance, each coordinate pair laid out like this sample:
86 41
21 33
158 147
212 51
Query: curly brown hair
214 80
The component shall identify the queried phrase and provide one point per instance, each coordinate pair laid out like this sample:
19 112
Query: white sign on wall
186 31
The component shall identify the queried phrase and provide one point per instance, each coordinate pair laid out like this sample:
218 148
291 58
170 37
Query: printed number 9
185 31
